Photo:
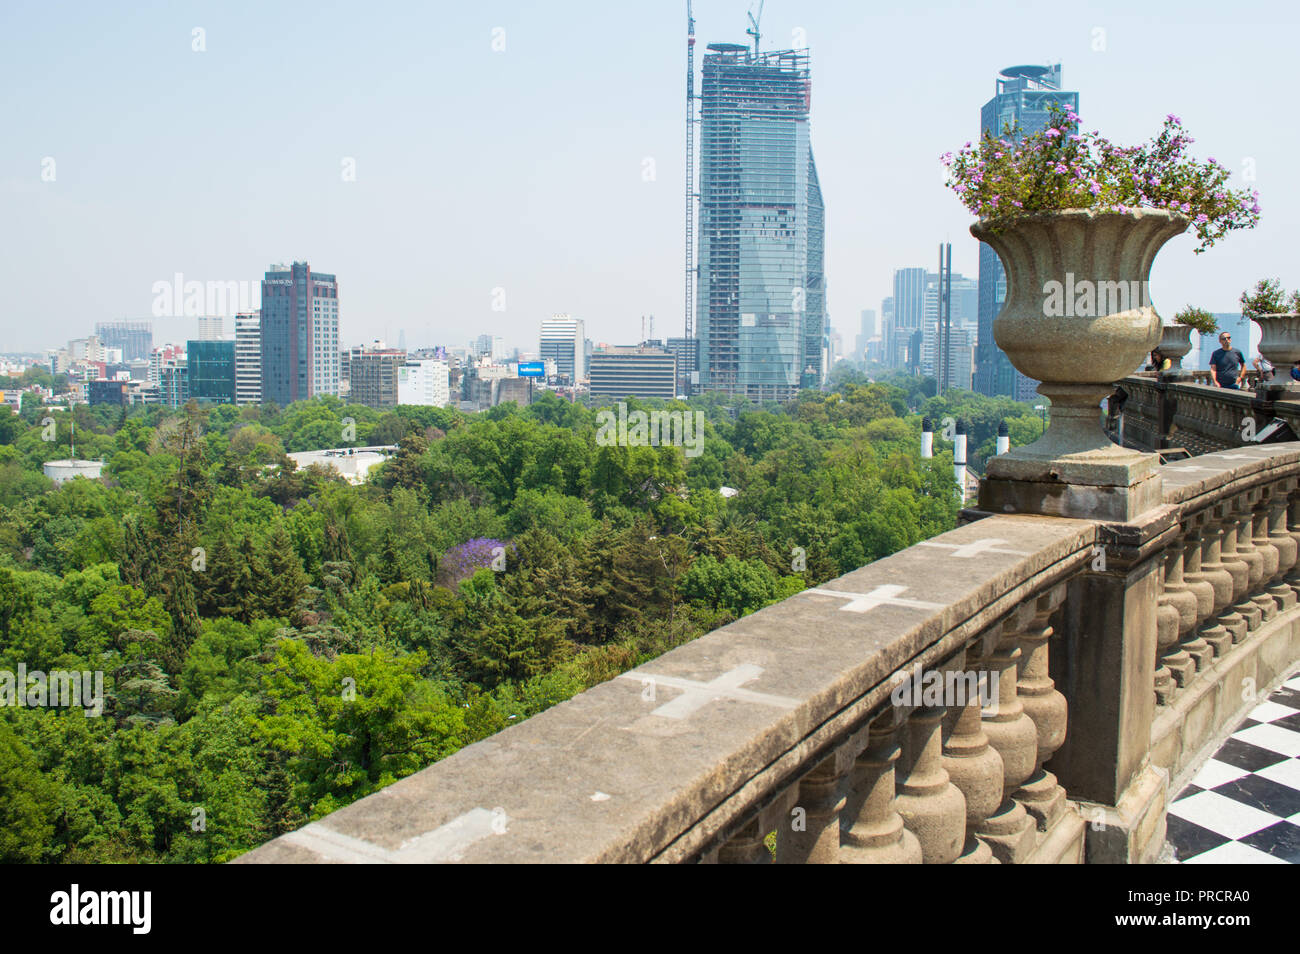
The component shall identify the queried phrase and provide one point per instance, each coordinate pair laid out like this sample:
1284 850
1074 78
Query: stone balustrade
1162 411
846 724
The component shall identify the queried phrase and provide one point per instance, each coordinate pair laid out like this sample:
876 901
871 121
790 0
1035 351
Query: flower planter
1078 318
1280 342
1175 342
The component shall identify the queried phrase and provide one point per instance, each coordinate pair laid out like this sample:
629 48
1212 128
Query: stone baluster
747 846
1046 707
1211 596
1264 546
1243 516
932 807
1219 557
1281 538
811 831
875 833
1293 526
1009 831
1181 607
972 763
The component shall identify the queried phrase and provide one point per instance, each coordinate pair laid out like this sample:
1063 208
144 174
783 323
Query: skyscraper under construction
761 304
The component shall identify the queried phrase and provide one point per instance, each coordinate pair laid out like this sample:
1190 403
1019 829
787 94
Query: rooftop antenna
754 20
690 172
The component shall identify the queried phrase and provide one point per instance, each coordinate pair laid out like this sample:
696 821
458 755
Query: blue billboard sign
532 369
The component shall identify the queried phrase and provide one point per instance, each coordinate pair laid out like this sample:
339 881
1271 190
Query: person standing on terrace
1228 364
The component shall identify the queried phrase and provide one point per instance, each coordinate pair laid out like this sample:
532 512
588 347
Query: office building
687 352
563 341
372 374
106 392
248 358
906 315
300 334
760 294
211 327
210 370
174 382
1022 99
641 371
964 298
424 382
135 338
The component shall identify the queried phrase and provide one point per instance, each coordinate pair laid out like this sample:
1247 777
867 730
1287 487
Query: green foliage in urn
1269 298
1197 319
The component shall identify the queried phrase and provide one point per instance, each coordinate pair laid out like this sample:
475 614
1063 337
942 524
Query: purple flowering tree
1009 177
464 560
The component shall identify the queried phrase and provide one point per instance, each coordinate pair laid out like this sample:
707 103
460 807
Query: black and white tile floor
1243 806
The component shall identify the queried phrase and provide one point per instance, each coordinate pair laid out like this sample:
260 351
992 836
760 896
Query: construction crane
690 172
754 20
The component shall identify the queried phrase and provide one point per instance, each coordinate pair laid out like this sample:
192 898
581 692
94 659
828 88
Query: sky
514 160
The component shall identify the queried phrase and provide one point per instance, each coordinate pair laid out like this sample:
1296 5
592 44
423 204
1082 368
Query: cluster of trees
277 643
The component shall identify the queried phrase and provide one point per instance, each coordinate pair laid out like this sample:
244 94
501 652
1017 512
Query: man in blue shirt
1228 363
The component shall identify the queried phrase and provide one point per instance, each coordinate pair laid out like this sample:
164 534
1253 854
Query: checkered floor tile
1243 806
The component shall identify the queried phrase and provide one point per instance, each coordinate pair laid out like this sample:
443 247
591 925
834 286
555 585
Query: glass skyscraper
761 303
1024 94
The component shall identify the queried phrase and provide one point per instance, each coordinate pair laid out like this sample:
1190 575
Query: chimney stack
927 438
1004 438
959 460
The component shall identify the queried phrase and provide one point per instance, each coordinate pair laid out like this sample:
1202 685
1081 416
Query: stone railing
846 724
1162 411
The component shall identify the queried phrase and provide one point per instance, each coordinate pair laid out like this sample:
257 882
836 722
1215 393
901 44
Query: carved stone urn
1280 343
1077 318
1175 341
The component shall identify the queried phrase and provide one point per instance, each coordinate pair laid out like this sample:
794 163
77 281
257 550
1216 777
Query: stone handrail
1161 412
844 724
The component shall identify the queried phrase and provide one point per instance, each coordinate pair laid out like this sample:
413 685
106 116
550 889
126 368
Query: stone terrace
1125 651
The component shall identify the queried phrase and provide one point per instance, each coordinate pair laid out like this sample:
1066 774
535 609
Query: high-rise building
761 301
491 346
300 334
563 339
211 327
870 328
248 358
174 382
423 382
907 315
1022 99
210 368
887 347
687 352
964 304
639 371
135 338
373 374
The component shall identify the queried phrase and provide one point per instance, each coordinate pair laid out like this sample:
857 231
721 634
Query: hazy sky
524 167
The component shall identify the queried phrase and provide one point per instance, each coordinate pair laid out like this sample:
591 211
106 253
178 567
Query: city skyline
133 212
